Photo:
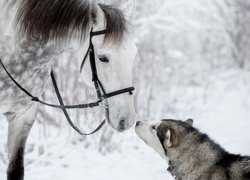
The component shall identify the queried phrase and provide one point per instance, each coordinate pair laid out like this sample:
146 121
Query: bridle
100 91
102 95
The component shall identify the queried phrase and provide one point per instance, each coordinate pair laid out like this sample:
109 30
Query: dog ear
171 138
168 138
189 121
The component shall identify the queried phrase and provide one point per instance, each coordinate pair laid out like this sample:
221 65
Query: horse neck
7 18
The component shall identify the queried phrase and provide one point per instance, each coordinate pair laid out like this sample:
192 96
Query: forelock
116 23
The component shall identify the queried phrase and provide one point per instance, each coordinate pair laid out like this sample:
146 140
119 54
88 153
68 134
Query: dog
190 154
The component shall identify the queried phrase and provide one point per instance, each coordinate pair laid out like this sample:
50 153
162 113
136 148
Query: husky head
165 135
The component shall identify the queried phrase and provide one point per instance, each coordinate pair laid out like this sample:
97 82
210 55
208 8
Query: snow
66 161
91 165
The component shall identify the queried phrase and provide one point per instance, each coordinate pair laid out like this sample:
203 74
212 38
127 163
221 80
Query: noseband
102 96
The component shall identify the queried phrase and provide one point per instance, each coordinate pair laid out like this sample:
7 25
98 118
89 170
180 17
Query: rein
102 96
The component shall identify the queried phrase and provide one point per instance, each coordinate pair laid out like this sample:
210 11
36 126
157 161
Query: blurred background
193 61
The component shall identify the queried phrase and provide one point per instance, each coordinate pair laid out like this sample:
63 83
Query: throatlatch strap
84 59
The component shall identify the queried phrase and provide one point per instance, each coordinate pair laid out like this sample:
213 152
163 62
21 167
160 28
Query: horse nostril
138 123
122 124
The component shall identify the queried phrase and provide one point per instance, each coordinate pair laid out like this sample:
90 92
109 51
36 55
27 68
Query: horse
33 32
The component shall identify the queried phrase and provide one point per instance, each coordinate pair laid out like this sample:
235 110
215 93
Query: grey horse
35 31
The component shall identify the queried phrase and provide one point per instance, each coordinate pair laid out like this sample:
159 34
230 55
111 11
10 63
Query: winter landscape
193 61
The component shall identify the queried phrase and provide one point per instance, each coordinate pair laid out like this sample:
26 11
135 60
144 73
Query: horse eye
103 58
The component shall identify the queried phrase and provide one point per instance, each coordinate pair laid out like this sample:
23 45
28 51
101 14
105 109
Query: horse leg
18 131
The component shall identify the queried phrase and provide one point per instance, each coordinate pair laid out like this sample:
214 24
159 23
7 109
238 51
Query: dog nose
138 123
122 125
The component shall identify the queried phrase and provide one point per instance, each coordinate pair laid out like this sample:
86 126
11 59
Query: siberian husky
192 155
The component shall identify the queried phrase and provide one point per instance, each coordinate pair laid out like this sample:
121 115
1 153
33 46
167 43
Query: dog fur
192 155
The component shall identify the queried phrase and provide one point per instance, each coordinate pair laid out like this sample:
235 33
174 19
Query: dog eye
103 58
153 127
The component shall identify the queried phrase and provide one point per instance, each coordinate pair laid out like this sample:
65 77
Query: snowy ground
129 164
65 161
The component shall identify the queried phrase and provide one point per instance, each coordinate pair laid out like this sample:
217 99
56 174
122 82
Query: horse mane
60 19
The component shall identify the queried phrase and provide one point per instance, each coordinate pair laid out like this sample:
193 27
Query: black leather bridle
102 95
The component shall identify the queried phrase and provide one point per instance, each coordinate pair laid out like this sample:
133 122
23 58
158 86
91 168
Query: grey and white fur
190 154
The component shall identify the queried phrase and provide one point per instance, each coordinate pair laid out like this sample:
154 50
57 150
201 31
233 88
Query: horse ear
189 121
128 8
98 15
